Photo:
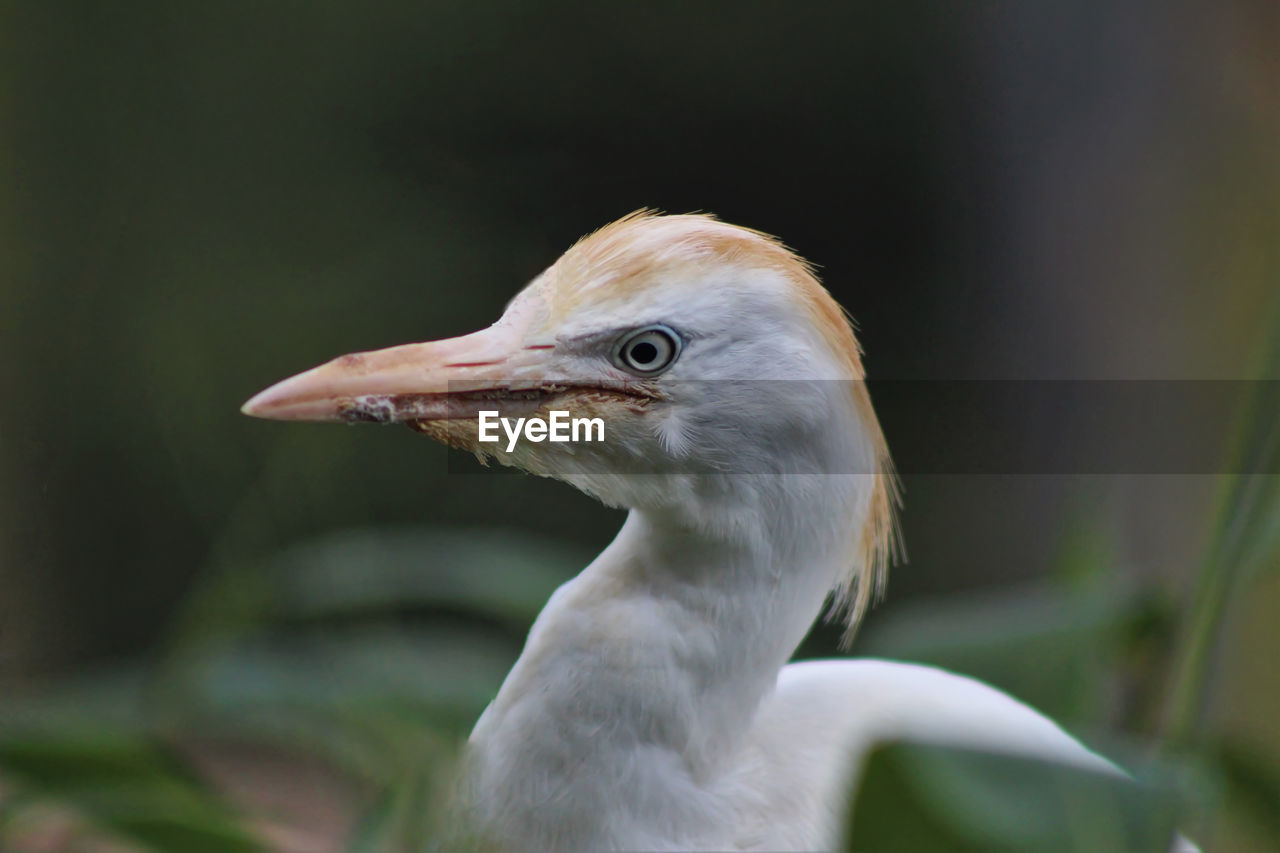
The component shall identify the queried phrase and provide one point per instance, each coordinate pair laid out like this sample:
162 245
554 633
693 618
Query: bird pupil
644 352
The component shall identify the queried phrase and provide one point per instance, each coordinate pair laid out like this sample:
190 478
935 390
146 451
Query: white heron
653 707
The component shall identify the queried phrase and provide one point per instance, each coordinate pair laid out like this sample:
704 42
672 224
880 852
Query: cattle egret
653 707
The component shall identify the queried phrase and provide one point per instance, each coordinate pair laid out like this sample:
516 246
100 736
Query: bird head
703 348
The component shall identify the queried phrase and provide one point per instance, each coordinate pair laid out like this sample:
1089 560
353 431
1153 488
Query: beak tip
253 407
294 399
266 404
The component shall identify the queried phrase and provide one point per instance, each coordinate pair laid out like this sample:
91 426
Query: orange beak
438 380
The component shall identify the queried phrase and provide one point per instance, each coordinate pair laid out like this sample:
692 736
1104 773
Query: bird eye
647 351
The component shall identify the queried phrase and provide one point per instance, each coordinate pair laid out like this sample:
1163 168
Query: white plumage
652 707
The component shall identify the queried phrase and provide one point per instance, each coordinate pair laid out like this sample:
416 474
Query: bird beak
438 380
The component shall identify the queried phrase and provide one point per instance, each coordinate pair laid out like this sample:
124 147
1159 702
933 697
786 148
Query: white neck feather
650 665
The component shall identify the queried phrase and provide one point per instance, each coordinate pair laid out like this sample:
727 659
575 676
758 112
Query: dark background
199 199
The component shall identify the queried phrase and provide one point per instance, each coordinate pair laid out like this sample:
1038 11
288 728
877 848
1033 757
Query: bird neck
719 604
654 660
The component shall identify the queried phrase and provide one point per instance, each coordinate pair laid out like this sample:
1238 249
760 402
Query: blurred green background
199 199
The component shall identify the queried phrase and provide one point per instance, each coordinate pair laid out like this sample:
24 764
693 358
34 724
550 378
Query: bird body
664 719
652 707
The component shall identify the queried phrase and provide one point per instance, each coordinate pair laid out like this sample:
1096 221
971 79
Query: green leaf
366 698
453 671
497 573
1049 643
501 575
931 798
126 785
379 828
1252 785
1245 543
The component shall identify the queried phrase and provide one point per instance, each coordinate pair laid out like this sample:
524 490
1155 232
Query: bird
653 706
